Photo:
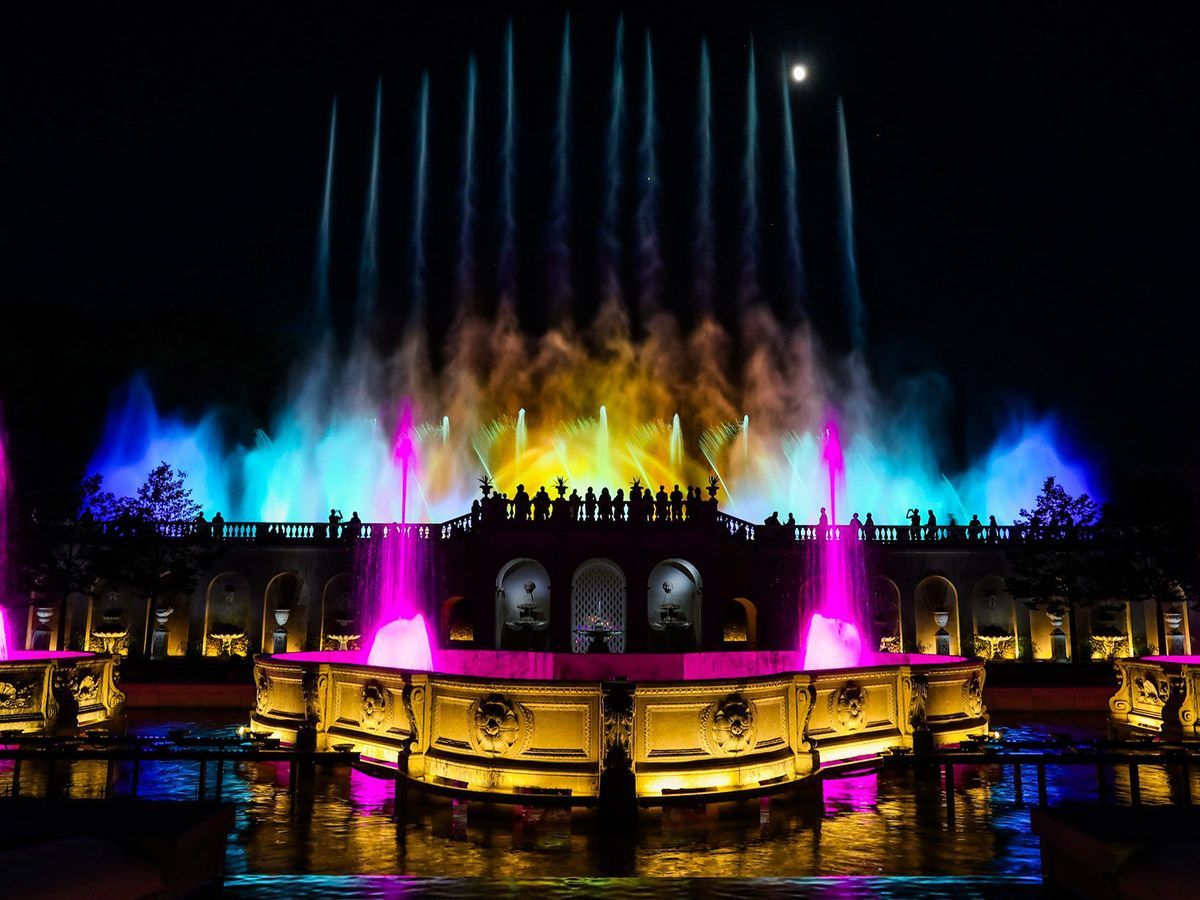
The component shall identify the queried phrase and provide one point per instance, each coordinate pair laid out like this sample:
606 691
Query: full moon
799 73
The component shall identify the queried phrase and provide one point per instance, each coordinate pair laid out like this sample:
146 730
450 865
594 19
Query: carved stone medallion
374 705
730 724
498 724
848 705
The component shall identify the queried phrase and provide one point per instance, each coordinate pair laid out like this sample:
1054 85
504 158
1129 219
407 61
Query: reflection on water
875 834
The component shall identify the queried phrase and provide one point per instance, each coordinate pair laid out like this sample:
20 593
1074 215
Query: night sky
1024 184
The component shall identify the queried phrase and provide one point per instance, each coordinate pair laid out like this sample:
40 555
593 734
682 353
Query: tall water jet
521 440
748 276
507 259
833 636
704 248
559 262
368 263
464 275
649 256
793 258
420 188
610 241
321 293
391 569
746 438
603 446
3 545
676 446
849 258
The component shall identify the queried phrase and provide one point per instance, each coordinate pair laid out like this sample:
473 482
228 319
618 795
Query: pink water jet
3 545
390 574
833 636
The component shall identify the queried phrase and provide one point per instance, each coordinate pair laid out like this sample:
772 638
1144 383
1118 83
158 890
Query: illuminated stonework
1157 695
41 692
509 738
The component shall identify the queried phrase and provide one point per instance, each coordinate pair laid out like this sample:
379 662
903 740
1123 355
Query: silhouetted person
677 504
661 503
914 526
691 503
931 527
791 526
354 526
635 502
521 504
541 505
869 528
823 524
772 521
604 505
476 509
575 502
218 525
953 528
200 527
335 519
619 505
589 504
561 509
993 530
855 528
974 529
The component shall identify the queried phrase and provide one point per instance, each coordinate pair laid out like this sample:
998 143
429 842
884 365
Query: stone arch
285 594
227 616
598 599
339 615
886 624
994 613
458 621
739 624
522 590
674 583
116 620
934 595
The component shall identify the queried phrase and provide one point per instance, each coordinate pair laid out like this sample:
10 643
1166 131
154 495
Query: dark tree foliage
1051 567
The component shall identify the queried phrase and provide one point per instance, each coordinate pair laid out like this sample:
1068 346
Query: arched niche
739 624
522 605
340 619
995 616
285 611
227 619
674 595
458 622
936 600
887 632
598 603
116 621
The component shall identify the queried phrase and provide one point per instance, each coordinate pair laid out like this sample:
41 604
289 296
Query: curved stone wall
40 692
1158 694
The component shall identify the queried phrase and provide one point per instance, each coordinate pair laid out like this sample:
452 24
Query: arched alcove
285 595
116 621
936 601
887 632
340 620
227 616
994 613
674 600
597 605
739 624
458 622
522 605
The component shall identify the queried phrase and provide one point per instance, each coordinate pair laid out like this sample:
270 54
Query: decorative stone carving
496 724
806 699
848 705
374 705
972 695
730 724
1152 691
17 695
414 699
918 700
1119 703
262 692
86 690
617 721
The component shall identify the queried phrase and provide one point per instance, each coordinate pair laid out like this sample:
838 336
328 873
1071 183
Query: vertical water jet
704 248
368 264
521 440
610 241
649 257
420 187
507 259
559 263
464 275
321 293
748 276
793 258
849 260
676 446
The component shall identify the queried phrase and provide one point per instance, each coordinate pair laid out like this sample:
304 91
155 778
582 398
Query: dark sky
1024 179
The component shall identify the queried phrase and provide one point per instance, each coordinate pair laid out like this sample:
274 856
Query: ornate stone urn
158 640
280 635
1058 637
1176 640
941 637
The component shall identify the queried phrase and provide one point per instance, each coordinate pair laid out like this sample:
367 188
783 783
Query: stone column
941 638
1058 638
41 632
279 638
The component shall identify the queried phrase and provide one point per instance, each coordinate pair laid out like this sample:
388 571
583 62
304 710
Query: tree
1051 568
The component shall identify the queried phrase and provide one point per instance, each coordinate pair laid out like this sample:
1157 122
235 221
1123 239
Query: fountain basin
523 726
42 691
1157 695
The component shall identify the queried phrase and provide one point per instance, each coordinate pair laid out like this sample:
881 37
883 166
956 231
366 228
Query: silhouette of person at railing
560 509
677 504
791 526
661 504
475 511
335 520
869 527
589 505
541 505
931 527
823 525
521 504
914 518
691 503
974 528
855 528
619 505
218 525
635 501
993 530
772 521
201 525
574 502
354 526
604 505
